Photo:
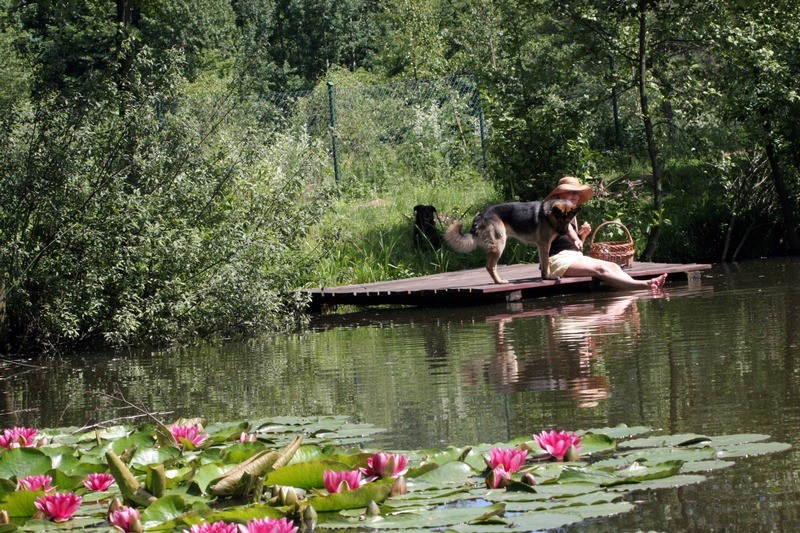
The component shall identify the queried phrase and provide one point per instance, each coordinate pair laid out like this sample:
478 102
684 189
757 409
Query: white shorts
560 262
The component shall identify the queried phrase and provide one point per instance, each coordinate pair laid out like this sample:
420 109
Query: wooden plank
469 287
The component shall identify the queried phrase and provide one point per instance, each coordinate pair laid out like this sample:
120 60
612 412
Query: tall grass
373 240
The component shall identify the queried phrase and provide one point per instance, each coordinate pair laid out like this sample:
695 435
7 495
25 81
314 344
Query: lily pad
21 462
452 473
306 475
753 449
351 499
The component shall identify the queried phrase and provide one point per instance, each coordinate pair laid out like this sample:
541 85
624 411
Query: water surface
717 357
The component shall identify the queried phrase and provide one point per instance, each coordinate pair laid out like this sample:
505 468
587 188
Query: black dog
425 233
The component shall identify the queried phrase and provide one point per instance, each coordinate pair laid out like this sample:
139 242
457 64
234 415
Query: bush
156 219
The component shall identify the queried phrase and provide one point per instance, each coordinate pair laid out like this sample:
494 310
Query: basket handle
598 228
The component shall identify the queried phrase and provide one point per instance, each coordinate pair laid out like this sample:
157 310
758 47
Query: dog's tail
457 240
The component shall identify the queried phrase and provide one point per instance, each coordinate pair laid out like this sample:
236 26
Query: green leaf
448 474
352 499
755 448
21 462
662 441
308 452
240 452
243 514
636 472
620 432
154 456
20 504
306 475
206 474
140 439
451 453
666 483
705 466
594 443
163 510
573 474
525 522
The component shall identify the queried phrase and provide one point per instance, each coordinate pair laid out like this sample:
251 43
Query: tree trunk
125 55
652 146
728 235
3 316
787 207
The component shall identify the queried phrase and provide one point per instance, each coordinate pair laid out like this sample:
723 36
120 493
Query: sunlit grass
372 239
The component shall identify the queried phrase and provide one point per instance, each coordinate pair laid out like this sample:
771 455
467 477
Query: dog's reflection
556 349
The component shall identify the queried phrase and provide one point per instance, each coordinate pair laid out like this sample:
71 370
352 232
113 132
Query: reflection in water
568 360
719 358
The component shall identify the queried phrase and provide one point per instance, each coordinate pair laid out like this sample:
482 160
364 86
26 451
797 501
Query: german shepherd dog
536 223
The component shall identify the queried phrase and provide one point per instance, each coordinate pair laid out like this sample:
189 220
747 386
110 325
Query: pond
717 357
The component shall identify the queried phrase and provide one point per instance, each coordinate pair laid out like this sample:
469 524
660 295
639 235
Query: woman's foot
657 283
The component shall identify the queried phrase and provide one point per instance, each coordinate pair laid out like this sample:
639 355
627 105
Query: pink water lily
271 525
59 506
337 480
247 437
498 478
36 482
214 527
190 432
385 465
18 437
98 482
558 443
510 459
124 519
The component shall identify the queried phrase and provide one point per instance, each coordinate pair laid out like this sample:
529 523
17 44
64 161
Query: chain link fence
378 134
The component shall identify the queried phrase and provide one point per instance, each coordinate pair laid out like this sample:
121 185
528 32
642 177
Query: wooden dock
474 286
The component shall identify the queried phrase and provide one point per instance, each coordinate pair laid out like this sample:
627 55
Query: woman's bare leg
612 274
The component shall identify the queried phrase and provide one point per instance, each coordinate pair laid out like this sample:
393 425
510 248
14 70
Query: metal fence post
333 134
482 123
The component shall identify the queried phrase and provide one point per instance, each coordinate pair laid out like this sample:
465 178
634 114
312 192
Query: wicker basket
619 252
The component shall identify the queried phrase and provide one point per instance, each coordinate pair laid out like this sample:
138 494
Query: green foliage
163 223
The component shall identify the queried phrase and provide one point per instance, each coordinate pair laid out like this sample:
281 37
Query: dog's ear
417 208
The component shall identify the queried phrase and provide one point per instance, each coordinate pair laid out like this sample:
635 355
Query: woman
566 258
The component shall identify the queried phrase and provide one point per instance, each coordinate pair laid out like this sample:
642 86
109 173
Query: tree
414 47
757 44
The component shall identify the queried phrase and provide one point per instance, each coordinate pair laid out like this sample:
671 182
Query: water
718 357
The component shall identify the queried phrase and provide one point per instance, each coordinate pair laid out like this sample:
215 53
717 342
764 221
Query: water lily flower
336 480
498 478
36 482
248 437
383 465
18 437
510 459
271 525
98 482
558 443
190 432
59 506
399 487
214 527
125 519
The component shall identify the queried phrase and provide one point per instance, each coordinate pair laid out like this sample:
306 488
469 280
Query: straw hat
572 184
